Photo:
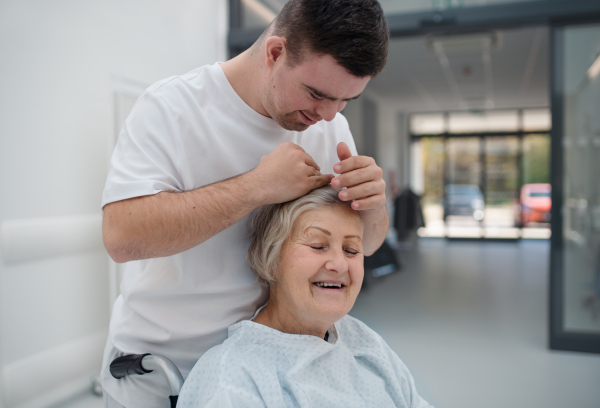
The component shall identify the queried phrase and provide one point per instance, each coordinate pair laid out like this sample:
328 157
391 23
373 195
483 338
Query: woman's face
321 266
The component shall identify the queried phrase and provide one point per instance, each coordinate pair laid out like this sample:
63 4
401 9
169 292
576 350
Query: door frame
560 339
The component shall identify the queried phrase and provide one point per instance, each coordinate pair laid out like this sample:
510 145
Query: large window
483 175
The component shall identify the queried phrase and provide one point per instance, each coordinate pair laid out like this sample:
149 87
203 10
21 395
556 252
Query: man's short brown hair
353 32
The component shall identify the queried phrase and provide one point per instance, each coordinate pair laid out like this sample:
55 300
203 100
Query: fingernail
335 183
343 195
337 168
355 205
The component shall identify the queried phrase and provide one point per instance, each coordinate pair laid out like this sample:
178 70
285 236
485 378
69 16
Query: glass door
483 174
464 202
501 186
575 272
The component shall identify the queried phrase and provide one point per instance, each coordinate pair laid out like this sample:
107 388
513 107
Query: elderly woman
302 349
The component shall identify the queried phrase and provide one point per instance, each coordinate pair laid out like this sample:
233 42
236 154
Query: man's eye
315 97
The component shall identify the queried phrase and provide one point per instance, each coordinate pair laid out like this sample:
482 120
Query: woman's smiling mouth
326 285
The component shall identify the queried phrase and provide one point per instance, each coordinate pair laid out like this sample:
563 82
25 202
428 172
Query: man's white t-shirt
183 133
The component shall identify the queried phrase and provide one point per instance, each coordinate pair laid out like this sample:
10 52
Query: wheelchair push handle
128 365
141 364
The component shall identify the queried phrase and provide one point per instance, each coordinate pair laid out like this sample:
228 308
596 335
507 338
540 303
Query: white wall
58 64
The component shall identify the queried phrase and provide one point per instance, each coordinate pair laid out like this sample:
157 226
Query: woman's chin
330 313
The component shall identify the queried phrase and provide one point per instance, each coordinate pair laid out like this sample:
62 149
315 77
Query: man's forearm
376 224
169 223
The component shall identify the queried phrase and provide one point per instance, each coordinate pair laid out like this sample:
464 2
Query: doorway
484 174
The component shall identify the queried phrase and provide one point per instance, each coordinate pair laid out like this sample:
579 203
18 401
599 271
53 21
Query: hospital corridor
482 116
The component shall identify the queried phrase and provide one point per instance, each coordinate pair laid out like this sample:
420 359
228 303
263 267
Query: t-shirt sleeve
147 157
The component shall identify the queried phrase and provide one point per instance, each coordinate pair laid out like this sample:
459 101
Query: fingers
363 190
369 203
311 162
343 151
359 176
363 180
319 181
353 163
306 157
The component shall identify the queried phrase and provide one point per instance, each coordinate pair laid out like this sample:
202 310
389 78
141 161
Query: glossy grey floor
470 321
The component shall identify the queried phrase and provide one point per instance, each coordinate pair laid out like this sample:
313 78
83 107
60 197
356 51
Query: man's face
313 90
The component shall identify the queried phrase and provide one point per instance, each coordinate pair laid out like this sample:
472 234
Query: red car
536 202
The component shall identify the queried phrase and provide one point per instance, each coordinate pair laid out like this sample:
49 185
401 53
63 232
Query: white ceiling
515 75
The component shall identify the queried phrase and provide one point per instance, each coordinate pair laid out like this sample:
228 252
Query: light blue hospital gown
261 367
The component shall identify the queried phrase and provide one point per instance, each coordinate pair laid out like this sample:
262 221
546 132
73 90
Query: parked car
536 202
465 200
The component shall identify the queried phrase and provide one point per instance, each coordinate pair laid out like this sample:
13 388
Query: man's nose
337 261
328 109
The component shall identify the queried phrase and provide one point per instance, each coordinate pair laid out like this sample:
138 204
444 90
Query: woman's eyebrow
353 236
325 95
324 231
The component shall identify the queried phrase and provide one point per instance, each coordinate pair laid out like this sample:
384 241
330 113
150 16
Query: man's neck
246 77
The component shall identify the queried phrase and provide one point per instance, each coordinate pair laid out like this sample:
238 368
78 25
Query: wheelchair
140 364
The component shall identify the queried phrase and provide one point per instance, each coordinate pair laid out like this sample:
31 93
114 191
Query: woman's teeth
329 285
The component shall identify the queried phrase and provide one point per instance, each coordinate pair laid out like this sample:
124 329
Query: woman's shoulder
230 365
242 337
360 339
358 332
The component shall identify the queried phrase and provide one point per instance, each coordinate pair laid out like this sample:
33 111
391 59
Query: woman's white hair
271 226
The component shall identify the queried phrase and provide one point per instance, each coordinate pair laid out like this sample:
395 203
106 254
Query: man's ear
275 49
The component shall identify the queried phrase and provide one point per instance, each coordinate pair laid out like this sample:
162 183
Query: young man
200 151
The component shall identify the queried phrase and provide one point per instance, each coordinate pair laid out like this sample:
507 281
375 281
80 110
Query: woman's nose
337 261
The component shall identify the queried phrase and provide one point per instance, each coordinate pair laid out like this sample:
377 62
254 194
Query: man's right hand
288 172
169 223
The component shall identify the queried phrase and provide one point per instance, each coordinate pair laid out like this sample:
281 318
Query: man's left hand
363 180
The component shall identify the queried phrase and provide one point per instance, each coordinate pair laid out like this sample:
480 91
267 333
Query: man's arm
169 223
365 186
376 223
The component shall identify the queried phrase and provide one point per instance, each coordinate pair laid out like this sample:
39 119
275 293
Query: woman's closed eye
320 247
